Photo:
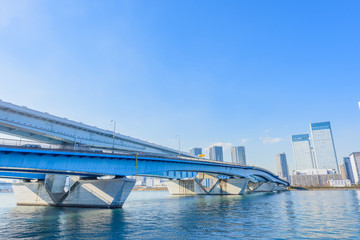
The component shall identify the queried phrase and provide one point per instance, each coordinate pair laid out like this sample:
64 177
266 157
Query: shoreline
321 188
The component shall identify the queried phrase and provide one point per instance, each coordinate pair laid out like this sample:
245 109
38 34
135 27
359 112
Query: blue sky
249 73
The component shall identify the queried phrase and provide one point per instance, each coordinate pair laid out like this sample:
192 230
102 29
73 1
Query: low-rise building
339 183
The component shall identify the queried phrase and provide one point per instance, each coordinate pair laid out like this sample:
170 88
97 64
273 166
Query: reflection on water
156 215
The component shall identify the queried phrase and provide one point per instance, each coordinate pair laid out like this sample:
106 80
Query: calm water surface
156 215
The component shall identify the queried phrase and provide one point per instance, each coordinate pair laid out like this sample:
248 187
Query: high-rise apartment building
324 148
302 152
216 153
238 155
355 166
348 168
196 151
282 166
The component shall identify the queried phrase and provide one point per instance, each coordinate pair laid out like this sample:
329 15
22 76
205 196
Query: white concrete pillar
104 193
32 193
185 187
232 186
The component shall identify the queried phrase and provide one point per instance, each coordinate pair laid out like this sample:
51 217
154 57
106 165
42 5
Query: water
156 215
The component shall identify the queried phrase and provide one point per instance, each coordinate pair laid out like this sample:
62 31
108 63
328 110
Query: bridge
85 166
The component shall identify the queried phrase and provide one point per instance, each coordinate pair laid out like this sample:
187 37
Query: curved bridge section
77 172
93 164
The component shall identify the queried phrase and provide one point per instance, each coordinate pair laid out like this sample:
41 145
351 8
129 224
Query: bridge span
90 185
91 167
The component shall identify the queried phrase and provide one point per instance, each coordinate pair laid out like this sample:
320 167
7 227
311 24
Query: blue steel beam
22 175
46 161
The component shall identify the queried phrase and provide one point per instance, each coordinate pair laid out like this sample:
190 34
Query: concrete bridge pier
99 193
231 186
185 187
261 187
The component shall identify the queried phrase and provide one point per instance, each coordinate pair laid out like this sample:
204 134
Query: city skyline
319 153
216 153
323 145
303 157
196 151
238 155
282 166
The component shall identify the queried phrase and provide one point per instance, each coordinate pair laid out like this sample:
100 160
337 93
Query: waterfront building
314 172
348 168
282 166
196 151
313 180
324 148
339 183
343 172
216 153
302 152
238 155
355 164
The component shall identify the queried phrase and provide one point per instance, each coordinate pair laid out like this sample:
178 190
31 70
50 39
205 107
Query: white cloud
226 146
268 130
270 140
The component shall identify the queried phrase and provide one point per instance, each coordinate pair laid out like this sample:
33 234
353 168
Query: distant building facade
238 155
339 183
348 168
315 180
282 166
324 148
196 151
343 172
302 152
355 164
216 153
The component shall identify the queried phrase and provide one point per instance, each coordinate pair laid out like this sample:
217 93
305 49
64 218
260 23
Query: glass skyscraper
196 151
216 153
302 152
348 168
238 155
282 166
324 148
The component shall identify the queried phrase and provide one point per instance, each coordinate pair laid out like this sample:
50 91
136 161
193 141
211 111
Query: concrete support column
32 193
231 186
185 187
265 187
104 193
279 188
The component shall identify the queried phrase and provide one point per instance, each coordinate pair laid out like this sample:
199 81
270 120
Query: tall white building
355 166
282 166
302 152
216 153
238 155
324 148
196 151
